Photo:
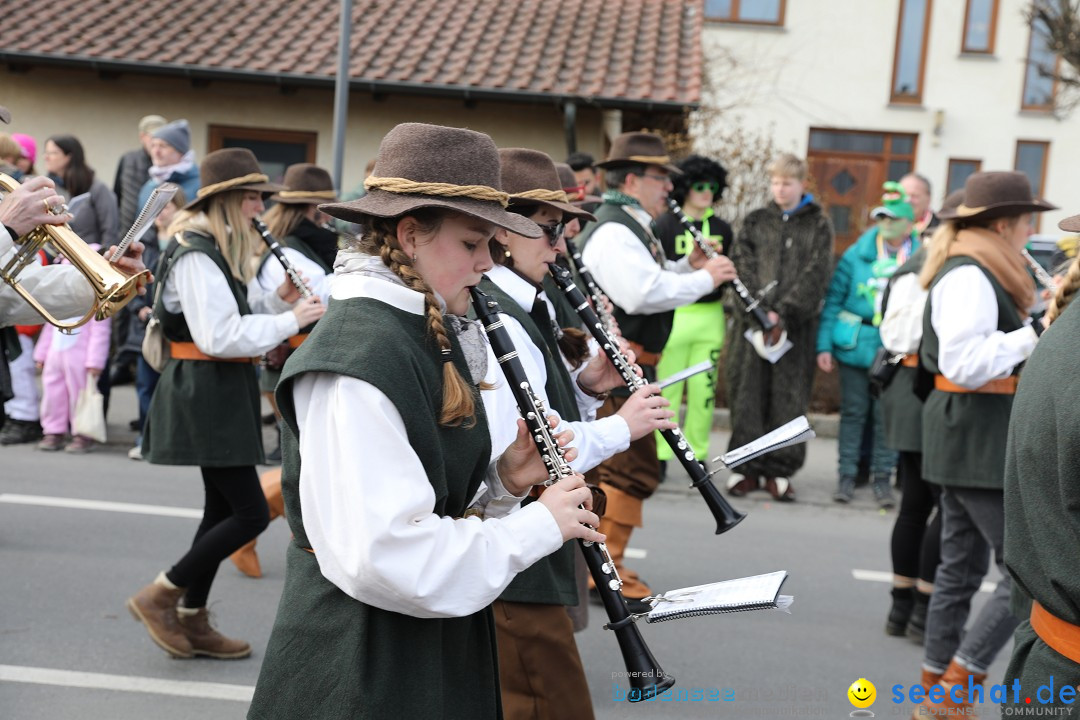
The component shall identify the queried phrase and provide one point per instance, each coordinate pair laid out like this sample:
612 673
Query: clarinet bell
725 515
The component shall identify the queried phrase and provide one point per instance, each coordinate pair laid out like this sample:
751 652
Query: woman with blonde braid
205 408
405 526
977 332
1041 497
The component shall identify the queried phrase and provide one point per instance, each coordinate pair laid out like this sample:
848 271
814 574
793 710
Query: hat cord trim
330 194
231 183
650 159
404 185
541 195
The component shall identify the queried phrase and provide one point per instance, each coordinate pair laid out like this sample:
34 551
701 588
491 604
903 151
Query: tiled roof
612 52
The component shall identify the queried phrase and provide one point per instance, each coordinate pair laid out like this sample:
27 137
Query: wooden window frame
216 135
886 152
949 170
1027 68
735 19
915 99
1041 191
991 36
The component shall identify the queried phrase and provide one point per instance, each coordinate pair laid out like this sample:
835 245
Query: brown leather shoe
155 607
780 489
51 443
740 485
205 640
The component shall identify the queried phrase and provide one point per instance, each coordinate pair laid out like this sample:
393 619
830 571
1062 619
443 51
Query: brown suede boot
621 516
246 559
929 678
956 675
155 607
205 640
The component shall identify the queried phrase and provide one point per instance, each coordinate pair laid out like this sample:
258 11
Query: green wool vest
203 412
900 406
331 656
649 331
551 580
964 434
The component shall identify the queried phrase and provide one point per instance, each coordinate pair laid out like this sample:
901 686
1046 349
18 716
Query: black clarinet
726 516
645 674
599 299
264 233
752 304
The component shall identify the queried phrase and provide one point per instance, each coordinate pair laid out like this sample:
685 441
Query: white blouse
272 274
369 507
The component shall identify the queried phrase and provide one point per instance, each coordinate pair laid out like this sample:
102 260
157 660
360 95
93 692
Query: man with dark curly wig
697 332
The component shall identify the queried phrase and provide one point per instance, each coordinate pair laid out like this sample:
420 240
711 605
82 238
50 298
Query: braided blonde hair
380 238
1065 293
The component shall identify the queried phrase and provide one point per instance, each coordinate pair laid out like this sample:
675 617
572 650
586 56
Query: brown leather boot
246 559
205 640
621 516
956 675
155 607
929 678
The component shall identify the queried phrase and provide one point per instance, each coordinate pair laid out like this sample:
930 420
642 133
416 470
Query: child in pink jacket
66 361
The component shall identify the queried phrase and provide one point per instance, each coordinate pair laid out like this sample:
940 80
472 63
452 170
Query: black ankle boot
903 603
916 627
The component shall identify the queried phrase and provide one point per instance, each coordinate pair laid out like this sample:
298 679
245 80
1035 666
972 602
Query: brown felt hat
575 192
5 114
230 169
639 148
531 179
990 195
1070 224
952 201
306 184
423 166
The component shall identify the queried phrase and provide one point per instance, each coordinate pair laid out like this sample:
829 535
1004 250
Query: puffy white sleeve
369 511
901 327
61 289
272 274
197 287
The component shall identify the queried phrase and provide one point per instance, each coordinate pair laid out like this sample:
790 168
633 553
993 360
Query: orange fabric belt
190 351
911 361
644 357
1001 386
297 340
1062 636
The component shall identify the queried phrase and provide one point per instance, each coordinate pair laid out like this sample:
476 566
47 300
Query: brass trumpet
113 288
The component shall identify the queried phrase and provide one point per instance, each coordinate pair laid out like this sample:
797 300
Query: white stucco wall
104 115
832 64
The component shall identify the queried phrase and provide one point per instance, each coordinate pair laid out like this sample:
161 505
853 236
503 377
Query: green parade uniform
202 413
900 406
329 655
1041 498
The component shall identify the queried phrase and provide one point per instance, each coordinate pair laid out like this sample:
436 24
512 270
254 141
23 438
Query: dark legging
235 513
916 545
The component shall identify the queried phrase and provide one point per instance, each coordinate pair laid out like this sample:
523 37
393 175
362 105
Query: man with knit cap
629 264
131 172
173 160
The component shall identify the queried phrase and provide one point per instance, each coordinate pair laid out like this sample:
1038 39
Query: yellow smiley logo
862 693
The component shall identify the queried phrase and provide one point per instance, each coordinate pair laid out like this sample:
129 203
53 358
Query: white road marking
126 683
79 504
887 577
635 553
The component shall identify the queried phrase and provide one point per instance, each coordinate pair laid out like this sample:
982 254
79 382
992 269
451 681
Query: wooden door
848 188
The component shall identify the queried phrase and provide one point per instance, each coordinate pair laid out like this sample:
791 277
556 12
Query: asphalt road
69 649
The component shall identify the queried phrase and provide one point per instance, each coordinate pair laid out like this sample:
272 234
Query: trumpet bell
113 287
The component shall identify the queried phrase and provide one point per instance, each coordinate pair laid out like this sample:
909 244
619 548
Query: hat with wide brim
1070 224
531 179
991 195
305 184
431 166
638 148
575 192
230 169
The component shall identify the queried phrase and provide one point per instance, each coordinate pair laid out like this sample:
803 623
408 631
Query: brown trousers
540 671
636 471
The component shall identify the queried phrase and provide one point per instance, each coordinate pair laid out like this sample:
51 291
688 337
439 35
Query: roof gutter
467 92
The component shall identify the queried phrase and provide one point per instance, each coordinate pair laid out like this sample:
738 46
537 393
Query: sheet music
792 433
157 201
703 366
758 592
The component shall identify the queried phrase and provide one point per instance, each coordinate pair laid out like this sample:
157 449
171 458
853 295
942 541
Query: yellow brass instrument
113 287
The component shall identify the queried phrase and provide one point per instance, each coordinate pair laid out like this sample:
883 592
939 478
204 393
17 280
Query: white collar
347 286
638 213
521 290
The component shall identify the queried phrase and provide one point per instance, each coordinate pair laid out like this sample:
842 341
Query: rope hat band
406 186
651 159
330 194
231 183
541 194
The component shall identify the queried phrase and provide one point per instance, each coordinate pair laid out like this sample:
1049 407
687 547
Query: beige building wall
831 66
104 115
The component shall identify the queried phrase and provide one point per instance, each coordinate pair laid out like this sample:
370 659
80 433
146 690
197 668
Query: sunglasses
553 232
713 187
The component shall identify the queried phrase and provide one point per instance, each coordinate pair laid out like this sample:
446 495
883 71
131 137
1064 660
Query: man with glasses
629 263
